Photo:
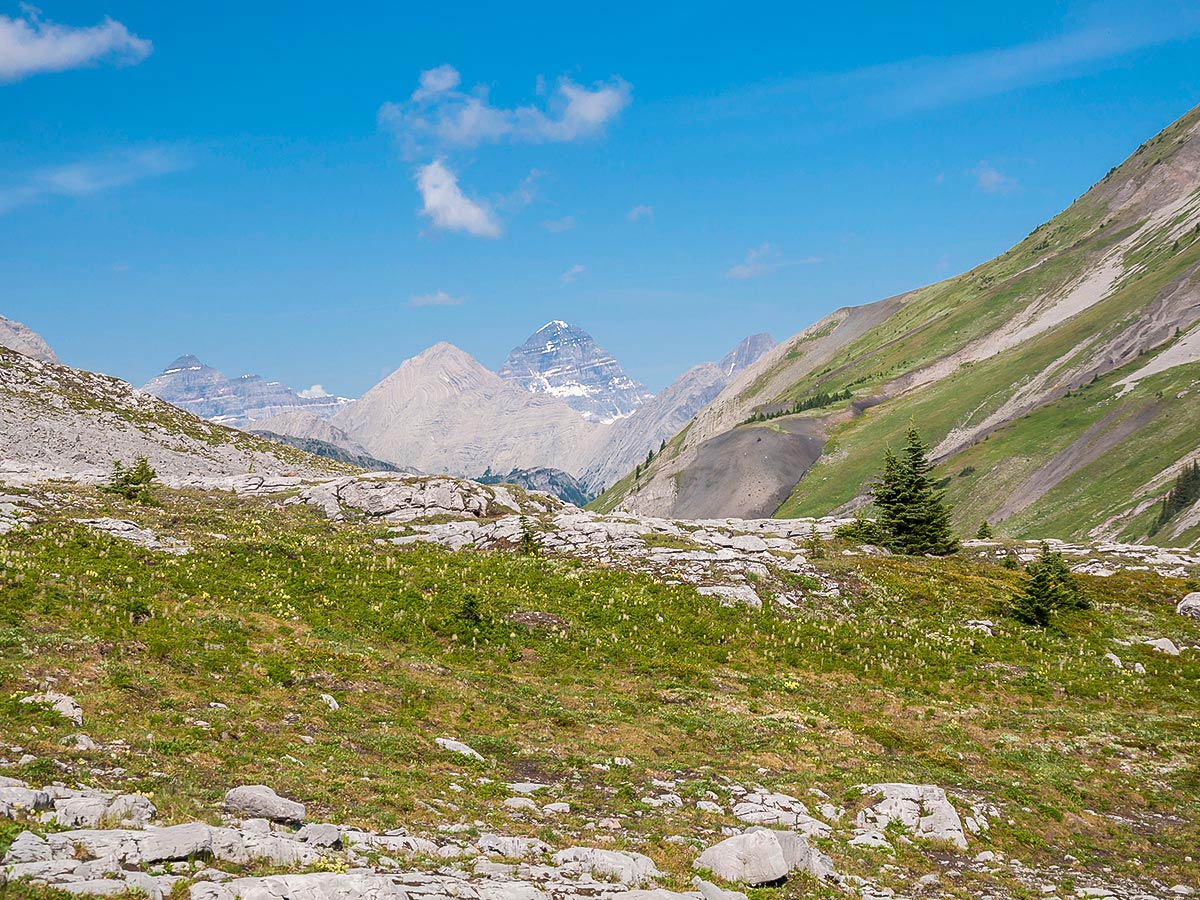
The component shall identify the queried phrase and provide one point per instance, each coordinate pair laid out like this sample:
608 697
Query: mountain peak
564 361
184 363
16 336
746 353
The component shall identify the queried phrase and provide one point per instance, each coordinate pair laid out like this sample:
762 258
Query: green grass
881 684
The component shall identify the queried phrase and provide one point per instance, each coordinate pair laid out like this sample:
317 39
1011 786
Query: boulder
761 856
259 801
1190 605
1163 645
63 704
627 868
457 747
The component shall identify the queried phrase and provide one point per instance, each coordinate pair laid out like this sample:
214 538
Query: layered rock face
204 391
16 336
563 360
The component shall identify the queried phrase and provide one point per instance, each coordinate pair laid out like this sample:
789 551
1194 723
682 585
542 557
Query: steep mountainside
57 421
630 439
442 411
16 336
1059 382
562 360
203 391
301 423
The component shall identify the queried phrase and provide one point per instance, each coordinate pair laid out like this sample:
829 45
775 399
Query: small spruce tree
985 531
912 510
1049 588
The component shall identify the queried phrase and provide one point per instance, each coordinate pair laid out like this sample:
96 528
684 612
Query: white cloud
31 45
436 80
1098 40
759 261
765 259
448 207
316 392
558 226
572 274
438 115
437 298
641 211
84 178
992 181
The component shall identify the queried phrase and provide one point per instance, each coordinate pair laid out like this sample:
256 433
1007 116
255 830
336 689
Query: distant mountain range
203 391
560 404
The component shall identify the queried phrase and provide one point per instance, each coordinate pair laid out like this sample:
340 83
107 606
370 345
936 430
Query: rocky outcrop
400 498
1190 605
17 337
924 810
564 361
61 422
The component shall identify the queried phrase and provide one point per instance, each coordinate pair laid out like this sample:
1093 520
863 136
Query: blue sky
317 193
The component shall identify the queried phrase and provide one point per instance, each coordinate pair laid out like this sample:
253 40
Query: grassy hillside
275 606
1015 369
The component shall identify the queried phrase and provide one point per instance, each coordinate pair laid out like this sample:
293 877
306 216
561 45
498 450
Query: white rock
1190 605
329 701
258 800
627 868
923 809
457 747
63 704
761 856
1163 645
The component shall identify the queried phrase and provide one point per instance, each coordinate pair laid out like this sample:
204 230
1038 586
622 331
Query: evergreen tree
985 532
1183 493
912 512
1049 587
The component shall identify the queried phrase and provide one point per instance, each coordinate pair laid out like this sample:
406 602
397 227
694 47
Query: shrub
133 482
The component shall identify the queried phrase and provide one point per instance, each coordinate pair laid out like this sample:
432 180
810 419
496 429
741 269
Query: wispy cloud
30 45
641 211
438 116
992 181
572 274
763 260
926 83
558 226
447 207
437 298
316 392
87 177
759 261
